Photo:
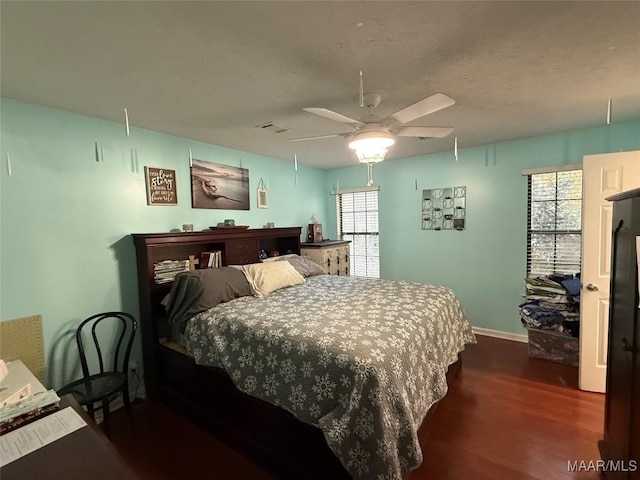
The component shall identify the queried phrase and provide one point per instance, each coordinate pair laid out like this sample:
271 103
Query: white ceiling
213 71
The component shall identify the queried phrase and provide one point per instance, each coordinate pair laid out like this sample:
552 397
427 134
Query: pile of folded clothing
552 303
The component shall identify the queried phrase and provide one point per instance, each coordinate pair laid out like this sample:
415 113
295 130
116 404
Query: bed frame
269 435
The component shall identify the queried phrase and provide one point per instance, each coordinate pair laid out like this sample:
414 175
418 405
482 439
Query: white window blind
357 214
554 233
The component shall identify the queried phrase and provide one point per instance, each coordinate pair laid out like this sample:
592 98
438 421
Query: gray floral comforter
362 359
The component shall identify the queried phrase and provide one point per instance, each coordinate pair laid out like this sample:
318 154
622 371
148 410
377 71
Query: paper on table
35 435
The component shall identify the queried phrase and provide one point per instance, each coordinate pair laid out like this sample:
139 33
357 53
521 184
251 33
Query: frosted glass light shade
371 147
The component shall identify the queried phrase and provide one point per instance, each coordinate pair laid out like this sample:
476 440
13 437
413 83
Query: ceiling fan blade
428 105
317 137
323 112
429 132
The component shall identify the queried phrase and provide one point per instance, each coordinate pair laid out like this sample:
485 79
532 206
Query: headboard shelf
237 246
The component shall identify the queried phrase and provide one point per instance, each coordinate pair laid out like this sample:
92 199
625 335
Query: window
554 232
357 213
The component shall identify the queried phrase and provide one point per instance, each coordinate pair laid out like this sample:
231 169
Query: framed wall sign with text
161 186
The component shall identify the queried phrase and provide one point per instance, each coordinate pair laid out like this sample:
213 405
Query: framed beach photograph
219 186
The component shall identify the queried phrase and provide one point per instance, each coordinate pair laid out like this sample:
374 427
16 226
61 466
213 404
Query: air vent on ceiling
272 127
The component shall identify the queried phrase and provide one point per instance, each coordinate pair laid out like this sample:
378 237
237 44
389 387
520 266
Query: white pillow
265 278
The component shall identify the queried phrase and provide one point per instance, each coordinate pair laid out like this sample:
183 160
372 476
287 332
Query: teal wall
485 264
65 218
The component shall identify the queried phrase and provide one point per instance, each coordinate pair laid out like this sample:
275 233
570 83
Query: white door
602 176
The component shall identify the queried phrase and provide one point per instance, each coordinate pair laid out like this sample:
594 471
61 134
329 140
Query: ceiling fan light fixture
371 146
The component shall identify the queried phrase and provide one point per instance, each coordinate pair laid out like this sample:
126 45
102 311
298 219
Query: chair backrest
127 331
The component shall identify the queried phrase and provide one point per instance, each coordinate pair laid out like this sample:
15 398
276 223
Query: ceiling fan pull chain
369 174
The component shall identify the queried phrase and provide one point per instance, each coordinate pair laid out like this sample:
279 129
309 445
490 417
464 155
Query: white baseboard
516 337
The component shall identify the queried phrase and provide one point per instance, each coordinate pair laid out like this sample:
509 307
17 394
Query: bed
312 381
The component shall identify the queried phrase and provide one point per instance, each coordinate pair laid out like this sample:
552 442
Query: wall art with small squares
444 208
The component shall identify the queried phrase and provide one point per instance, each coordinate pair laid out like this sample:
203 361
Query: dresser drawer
336 260
242 252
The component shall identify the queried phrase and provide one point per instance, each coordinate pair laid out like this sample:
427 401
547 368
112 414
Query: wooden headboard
236 246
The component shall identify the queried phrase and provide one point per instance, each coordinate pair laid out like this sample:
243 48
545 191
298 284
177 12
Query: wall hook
126 120
455 148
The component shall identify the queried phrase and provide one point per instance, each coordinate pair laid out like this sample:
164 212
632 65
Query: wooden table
85 453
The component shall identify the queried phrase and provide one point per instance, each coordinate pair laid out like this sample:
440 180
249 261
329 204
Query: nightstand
332 255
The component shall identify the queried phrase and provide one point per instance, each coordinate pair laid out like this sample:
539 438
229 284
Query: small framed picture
314 233
263 194
263 198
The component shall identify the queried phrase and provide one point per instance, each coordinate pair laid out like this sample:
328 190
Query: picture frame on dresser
314 233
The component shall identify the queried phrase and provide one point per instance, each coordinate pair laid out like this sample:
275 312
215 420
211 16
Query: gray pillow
304 265
221 285
199 290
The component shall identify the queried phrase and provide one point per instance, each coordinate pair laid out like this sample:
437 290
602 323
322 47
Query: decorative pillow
304 265
265 278
221 285
199 290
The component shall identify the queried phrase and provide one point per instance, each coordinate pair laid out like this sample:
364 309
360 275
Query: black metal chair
106 385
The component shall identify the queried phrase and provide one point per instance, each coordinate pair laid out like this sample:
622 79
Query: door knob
592 288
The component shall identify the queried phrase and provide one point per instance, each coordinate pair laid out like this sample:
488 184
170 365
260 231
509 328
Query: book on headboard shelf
212 259
166 270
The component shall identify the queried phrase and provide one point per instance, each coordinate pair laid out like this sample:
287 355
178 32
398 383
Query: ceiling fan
371 137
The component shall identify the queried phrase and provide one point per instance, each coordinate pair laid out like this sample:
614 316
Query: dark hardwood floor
507 416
